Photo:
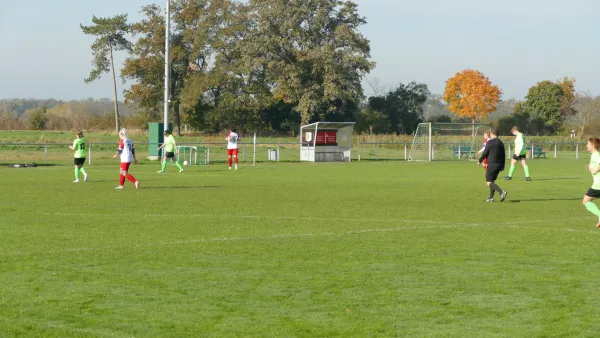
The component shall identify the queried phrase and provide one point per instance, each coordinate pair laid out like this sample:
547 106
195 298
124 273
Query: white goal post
447 141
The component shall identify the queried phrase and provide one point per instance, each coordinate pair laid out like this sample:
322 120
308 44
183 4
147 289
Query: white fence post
90 155
254 153
554 150
377 151
359 151
405 155
46 153
577 151
532 150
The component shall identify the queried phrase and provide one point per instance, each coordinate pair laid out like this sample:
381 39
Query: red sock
121 180
229 161
236 160
130 178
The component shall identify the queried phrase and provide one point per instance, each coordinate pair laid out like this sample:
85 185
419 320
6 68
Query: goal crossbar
447 141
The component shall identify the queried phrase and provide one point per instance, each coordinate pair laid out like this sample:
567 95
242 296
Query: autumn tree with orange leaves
471 94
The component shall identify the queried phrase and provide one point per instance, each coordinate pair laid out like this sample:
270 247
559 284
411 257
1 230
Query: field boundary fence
400 151
250 152
194 153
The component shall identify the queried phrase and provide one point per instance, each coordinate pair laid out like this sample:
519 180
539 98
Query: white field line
310 218
448 225
555 229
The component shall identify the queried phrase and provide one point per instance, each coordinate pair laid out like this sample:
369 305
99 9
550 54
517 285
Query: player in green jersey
594 168
170 152
519 156
79 147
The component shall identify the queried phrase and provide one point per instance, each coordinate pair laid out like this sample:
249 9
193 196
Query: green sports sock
593 208
76 173
164 165
82 171
178 165
511 171
526 170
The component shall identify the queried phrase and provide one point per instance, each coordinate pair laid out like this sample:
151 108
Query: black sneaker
528 179
490 200
503 195
508 178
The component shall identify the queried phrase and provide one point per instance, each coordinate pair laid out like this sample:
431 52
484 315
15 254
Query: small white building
326 142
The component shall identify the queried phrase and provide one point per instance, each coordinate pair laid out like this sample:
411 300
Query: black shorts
169 154
519 157
593 193
79 161
492 172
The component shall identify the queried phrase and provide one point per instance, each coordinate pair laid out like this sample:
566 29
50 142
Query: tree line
275 64
51 114
256 64
395 110
272 65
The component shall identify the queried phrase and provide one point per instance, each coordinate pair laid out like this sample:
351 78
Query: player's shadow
37 165
185 187
545 199
557 178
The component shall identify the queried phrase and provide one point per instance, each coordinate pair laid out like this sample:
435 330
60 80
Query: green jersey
520 148
170 144
79 147
594 164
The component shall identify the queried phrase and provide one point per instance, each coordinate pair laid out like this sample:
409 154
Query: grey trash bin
272 153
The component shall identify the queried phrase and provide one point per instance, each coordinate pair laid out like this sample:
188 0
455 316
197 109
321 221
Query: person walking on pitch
79 147
593 193
495 154
170 152
519 156
126 152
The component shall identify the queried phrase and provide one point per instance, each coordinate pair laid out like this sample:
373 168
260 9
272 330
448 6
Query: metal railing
273 151
400 151
47 153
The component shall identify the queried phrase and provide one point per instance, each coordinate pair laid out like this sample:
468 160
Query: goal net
447 141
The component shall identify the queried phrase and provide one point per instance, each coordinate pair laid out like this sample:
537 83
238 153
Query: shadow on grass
381 160
545 199
5 164
183 187
556 178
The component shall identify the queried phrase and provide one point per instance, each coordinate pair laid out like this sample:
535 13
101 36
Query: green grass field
292 250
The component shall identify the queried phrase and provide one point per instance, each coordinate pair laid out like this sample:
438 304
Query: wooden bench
462 150
537 151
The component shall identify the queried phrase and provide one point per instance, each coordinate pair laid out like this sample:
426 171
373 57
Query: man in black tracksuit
496 158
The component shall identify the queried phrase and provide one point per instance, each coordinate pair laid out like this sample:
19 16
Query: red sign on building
330 137
323 138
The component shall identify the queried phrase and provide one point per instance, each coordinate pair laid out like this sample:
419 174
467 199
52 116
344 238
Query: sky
516 43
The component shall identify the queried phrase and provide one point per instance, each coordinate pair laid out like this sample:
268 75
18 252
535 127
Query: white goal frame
448 140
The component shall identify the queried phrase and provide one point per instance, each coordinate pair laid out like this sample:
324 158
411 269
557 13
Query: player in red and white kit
232 147
126 152
486 138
